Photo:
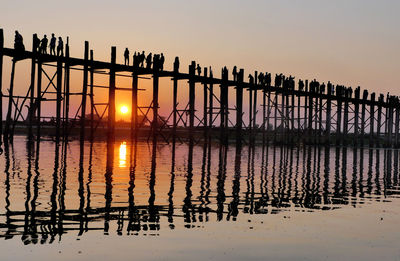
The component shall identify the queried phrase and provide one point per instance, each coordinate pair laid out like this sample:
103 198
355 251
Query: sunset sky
347 42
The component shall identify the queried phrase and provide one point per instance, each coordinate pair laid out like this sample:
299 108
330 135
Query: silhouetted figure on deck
267 79
322 88
198 69
36 43
141 58
135 60
156 62
19 42
162 61
148 61
301 85
278 80
251 79
261 79
52 45
126 56
176 64
234 73
330 88
43 45
60 47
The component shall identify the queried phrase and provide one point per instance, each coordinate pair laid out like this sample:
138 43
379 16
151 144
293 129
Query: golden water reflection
122 155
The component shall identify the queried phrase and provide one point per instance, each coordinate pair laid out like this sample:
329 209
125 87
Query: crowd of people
140 59
156 62
41 45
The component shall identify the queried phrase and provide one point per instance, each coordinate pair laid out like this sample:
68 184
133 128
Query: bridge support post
32 89
91 96
7 134
372 120
205 102
154 125
59 98
346 118
239 106
134 109
66 89
356 114
111 97
364 100
84 90
379 122
1 84
211 103
192 95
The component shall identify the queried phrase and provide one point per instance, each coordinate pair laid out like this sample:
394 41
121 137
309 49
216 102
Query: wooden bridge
307 112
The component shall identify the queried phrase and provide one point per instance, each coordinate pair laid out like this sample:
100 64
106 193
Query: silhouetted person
36 43
162 60
156 62
148 61
60 47
301 85
234 73
176 64
43 45
135 60
278 80
53 45
330 88
198 69
142 57
19 42
261 79
268 79
251 79
126 56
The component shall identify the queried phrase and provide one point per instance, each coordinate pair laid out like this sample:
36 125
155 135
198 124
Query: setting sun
124 109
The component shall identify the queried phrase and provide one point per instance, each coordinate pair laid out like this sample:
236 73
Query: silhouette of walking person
19 42
162 60
251 79
36 43
43 45
148 61
53 45
234 73
141 59
60 47
126 56
198 69
176 64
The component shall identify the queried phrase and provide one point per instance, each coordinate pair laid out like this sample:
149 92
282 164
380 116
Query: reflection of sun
124 109
122 155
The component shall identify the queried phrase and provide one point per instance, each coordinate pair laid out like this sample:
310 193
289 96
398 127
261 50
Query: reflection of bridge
312 113
311 178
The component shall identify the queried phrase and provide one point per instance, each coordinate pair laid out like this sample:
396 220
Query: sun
124 109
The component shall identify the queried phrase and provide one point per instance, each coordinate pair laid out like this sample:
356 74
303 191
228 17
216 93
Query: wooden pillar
306 94
32 89
379 120
192 95
84 90
397 119
91 95
205 101
1 83
66 88
39 98
134 109
356 114
58 98
154 124
175 96
264 113
364 101
292 108
239 105
211 103
339 93
255 101
328 115
320 106
111 97
346 117
10 103
298 113
224 106
310 114
372 120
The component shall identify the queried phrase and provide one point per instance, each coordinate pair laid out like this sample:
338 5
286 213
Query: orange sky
347 42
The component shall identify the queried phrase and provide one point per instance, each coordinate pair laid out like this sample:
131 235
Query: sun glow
124 109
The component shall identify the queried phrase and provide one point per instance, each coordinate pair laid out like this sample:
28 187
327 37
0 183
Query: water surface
197 201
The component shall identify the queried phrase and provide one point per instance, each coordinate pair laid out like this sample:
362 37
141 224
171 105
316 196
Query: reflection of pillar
152 183
132 176
171 187
187 203
108 179
221 181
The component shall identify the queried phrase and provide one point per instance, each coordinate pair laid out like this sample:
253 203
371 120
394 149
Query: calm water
179 202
